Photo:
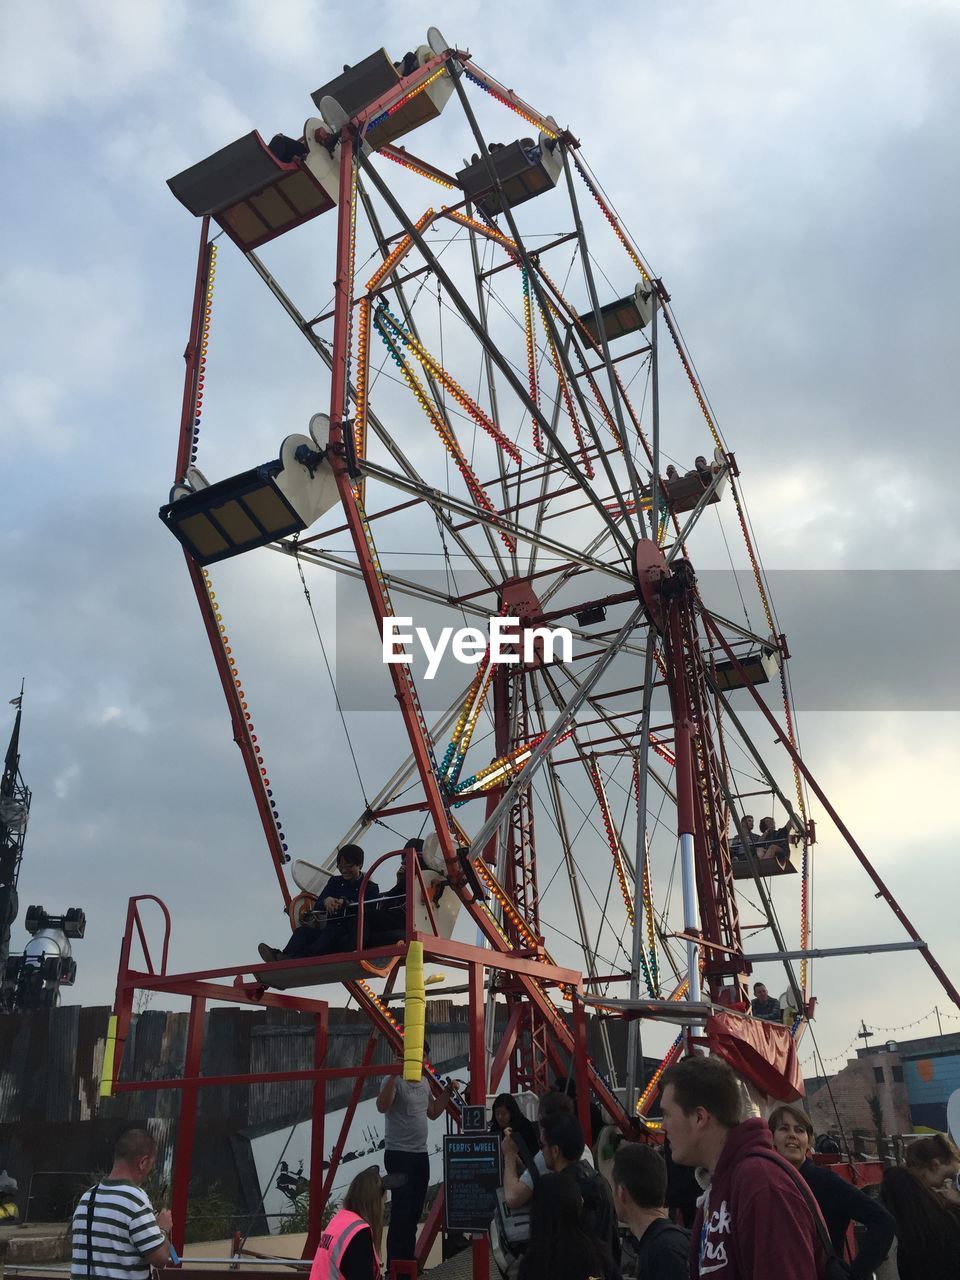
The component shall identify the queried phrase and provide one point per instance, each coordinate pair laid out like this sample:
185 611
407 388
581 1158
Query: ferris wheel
512 444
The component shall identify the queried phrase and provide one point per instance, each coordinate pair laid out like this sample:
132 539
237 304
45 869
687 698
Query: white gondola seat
626 315
362 84
254 196
216 521
524 169
759 667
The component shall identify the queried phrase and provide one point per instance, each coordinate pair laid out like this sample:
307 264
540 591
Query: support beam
823 953
549 742
443 501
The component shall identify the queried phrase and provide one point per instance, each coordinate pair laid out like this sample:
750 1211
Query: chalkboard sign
471 1175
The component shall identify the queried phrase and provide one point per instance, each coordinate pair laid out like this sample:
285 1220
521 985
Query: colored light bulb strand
450 442
611 218
537 121
202 358
531 340
646 1098
406 163
491 233
646 882
248 724
361 381
568 404
466 723
509 910
613 840
399 251
433 365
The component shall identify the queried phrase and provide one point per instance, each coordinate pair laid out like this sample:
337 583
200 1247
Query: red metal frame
201 986
192 353
241 734
701 812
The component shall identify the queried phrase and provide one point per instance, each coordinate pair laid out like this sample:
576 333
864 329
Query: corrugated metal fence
56 1132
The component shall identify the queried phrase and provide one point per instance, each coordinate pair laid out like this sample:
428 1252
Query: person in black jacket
561 1247
508 1118
338 899
561 1140
928 1227
839 1201
639 1194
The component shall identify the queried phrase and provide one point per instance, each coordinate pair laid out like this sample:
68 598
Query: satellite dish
953 1115
320 429
334 116
436 41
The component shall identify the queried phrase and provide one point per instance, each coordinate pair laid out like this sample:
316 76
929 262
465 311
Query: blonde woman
350 1244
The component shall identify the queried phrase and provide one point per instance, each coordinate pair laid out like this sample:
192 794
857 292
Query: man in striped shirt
116 1234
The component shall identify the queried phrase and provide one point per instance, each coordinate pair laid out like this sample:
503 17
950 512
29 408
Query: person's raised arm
436 1106
321 901
388 1091
159 1254
516 1191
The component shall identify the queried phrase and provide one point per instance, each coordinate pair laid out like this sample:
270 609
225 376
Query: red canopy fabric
763 1052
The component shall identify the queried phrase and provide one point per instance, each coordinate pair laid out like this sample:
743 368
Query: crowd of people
762 1208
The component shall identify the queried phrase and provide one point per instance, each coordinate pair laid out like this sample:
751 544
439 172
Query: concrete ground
49 1242
34 1244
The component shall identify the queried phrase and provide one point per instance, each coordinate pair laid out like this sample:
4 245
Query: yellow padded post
109 1055
415 1013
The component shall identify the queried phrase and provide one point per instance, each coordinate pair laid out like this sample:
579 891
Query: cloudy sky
792 176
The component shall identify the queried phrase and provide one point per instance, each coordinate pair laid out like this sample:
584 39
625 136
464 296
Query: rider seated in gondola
703 470
737 851
385 921
337 902
287 149
771 843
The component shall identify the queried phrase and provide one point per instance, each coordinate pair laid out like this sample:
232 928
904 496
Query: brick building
911 1081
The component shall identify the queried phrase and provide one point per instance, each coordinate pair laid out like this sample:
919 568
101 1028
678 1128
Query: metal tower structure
14 815
496 394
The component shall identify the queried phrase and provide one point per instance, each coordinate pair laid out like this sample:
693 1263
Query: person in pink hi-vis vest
350 1245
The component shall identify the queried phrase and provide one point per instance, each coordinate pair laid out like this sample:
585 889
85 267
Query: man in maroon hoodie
753 1222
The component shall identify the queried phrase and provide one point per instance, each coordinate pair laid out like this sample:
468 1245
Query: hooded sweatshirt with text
754 1223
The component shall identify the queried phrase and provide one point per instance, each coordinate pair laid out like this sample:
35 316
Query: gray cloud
793 176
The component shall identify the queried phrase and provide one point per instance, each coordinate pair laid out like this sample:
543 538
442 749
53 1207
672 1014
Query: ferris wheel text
505 642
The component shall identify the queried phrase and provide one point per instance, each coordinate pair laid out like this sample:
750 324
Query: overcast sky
791 174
